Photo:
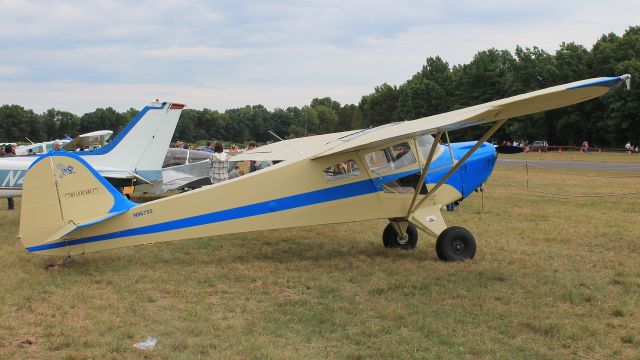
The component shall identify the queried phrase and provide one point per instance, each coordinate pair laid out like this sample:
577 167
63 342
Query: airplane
182 169
38 148
92 141
136 152
89 141
396 171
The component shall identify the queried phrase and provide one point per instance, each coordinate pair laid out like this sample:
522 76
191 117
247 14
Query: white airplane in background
137 152
38 148
88 141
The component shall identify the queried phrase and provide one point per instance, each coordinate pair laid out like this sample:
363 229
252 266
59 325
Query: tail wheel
406 241
455 243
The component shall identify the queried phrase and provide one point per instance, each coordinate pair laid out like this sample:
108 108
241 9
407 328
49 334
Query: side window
198 156
424 143
344 170
175 157
389 159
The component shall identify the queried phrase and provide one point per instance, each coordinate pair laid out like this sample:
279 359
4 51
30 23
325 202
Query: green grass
553 278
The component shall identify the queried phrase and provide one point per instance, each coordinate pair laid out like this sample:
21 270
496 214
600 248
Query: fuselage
291 193
12 172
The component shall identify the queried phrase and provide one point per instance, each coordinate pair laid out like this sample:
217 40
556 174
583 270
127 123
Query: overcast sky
81 55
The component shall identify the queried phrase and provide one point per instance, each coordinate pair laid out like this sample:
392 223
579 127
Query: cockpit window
344 170
175 157
424 143
391 158
198 156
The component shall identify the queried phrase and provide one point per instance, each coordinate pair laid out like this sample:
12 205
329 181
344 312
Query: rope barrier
548 193
502 168
584 175
573 195
569 195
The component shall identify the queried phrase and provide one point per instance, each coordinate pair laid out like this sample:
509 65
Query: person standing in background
10 151
252 164
209 147
218 164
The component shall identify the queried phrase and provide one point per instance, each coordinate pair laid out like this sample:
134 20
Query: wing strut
484 138
420 184
453 159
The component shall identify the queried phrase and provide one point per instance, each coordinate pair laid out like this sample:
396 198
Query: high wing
536 101
291 149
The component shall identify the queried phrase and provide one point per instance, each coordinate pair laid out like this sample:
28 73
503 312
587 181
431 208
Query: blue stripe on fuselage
339 192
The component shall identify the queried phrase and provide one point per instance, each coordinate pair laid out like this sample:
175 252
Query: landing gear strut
405 240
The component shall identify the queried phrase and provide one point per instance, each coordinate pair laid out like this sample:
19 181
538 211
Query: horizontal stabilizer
61 193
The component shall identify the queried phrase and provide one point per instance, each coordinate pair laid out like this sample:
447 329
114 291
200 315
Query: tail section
142 145
63 193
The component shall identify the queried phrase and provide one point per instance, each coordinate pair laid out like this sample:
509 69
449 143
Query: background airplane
137 152
38 148
396 171
89 141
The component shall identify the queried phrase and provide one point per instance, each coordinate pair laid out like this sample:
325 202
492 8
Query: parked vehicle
539 145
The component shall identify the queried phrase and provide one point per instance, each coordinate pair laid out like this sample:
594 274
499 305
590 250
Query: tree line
438 87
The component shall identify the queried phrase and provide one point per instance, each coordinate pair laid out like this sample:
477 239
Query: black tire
455 243
391 239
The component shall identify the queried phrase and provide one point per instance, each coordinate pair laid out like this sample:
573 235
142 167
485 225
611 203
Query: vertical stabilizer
142 145
62 192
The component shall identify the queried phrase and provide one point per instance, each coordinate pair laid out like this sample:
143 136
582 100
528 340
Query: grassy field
554 277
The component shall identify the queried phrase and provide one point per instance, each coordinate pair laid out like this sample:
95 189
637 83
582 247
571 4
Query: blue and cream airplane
397 171
137 152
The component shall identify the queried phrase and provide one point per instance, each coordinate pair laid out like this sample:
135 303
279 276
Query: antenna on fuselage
279 138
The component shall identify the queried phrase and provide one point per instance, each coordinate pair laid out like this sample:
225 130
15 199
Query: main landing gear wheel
406 241
455 243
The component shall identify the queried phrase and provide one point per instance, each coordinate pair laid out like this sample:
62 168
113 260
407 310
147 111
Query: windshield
389 159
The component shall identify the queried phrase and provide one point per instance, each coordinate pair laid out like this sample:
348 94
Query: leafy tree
380 107
327 119
19 123
349 117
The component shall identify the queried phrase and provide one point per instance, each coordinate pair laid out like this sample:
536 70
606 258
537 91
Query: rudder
62 192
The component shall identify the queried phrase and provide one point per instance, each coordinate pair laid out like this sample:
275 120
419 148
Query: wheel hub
458 246
403 239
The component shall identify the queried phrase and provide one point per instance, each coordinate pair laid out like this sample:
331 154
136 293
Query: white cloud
191 53
84 97
84 54
11 71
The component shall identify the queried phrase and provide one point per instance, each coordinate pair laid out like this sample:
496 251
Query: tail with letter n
62 193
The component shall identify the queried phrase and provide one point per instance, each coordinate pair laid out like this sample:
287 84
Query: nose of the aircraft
477 169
